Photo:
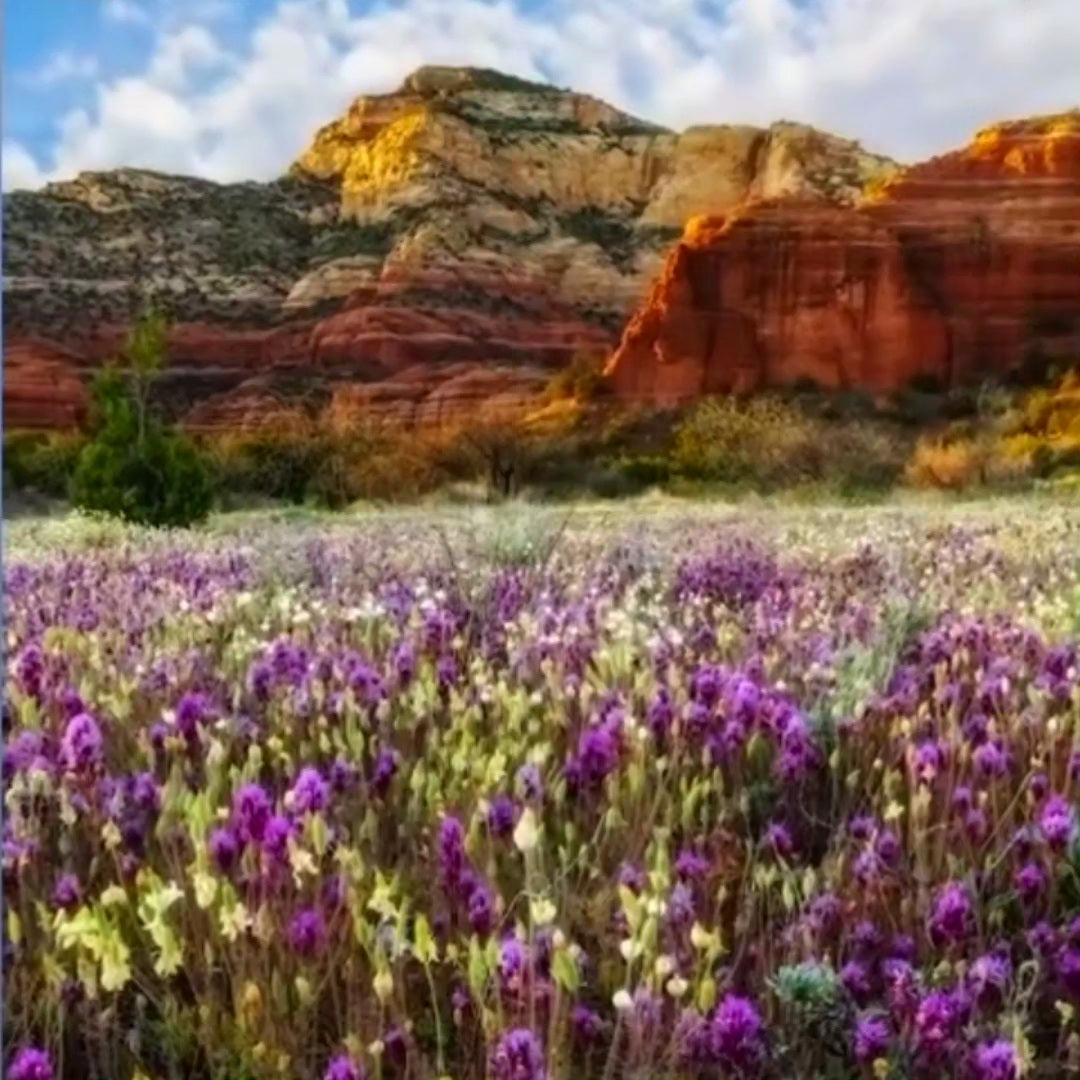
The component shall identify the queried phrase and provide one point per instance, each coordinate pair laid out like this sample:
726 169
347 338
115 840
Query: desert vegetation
491 794
575 444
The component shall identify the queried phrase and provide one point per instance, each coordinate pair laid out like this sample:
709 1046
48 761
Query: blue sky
232 89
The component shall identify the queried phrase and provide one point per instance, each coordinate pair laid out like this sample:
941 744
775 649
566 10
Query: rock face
464 235
962 267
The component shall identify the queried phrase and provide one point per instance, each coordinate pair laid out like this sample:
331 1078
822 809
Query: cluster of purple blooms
324 756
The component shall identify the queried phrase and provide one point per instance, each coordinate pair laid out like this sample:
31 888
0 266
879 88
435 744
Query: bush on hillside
766 443
41 461
268 464
135 468
1010 440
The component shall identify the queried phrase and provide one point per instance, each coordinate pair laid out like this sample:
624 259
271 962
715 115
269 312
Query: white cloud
125 11
181 54
909 79
18 168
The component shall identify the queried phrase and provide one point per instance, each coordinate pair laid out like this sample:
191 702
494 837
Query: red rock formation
44 387
963 267
400 346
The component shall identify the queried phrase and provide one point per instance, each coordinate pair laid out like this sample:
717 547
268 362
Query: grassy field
644 789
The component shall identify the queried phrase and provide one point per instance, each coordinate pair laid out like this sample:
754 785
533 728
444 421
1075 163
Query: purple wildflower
872 1038
995 1061
936 1021
384 771
81 749
597 754
680 906
736 1034
251 812
1030 882
887 846
511 960
451 852
500 818
1068 969
307 932
67 893
529 782
778 838
962 799
343 776
991 760
952 919
901 986
194 709
929 761
310 793
1043 939
224 847
481 910
902 947
690 865
867 939
26 751
275 839
856 980
586 1024
825 914
861 827
1057 823
30 1063
343 1067
518 1056
988 978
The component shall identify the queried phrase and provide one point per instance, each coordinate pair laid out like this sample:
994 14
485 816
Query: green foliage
271 465
765 443
810 983
333 470
135 468
41 461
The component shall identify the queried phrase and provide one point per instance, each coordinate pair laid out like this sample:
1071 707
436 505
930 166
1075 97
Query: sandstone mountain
956 269
453 242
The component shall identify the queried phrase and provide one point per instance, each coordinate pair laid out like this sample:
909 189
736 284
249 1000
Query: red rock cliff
961 267
456 240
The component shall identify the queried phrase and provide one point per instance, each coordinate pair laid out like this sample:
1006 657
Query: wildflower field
671 793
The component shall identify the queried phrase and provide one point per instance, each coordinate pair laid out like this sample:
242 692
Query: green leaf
424 945
319 835
478 968
631 905
706 995
565 971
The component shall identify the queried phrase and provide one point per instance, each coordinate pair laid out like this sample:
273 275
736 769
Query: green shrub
135 468
268 464
646 471
767 444
161 480
41 461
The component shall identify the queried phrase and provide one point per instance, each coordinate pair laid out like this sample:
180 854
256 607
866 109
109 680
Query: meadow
651 790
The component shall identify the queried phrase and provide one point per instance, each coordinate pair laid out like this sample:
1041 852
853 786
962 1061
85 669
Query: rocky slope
961 267
455 240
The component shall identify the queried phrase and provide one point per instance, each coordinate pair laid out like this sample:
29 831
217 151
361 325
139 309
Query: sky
234 89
